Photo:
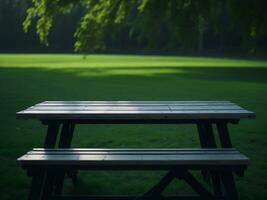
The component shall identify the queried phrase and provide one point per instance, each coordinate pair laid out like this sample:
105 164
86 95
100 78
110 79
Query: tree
155 23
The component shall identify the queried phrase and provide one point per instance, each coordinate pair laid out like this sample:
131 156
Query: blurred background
163 27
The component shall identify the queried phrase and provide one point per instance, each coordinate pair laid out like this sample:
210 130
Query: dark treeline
12 38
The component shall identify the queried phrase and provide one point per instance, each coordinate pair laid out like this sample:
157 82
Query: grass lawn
29 79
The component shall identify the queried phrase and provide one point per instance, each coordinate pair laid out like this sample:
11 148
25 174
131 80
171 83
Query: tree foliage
160 23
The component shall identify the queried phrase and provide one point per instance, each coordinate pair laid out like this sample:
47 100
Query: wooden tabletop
132 110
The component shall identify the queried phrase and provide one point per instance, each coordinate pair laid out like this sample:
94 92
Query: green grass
29 79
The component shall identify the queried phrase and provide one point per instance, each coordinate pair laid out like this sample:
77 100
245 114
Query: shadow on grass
31 85
247 74
254 74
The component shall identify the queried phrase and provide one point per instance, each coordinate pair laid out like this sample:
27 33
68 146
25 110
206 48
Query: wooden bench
48 165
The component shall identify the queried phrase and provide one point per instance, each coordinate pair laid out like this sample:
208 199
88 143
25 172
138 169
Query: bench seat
135 158
48 166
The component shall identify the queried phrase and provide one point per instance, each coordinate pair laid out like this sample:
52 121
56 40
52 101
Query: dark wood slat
126 161
134 149
69 197
136 115
131 108
135 110
127 153
100 108
208 158
139 151
209 107
137 104
148 106
133 102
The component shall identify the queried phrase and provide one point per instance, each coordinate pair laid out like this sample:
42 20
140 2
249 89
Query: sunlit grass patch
60 61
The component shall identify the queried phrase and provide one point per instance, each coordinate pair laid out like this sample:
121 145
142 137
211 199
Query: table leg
207 140
48 185
227 177
66 135
202 135
211 143
229 185
39 177
36 188
65 142
224 135
50 142
203 143
51 135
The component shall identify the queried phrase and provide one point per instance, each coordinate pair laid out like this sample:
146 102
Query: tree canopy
157 23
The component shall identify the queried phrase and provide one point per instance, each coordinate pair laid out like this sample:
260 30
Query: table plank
141 110
123 151
120 107
133 102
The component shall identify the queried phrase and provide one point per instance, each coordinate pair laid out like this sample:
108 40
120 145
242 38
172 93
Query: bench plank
132 157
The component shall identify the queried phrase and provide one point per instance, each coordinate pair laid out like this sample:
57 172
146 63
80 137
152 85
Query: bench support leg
207 140
48 186
203 143
217 184
156 190
72 173
195 185
229 186
38 178
65 142
215 177
227 178
36 185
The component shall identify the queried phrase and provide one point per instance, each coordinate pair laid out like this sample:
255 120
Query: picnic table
61 117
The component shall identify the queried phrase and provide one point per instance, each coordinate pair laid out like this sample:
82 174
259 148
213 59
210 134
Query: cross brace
156 190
